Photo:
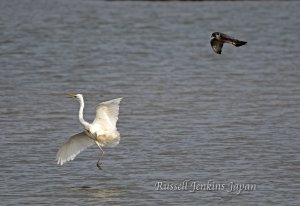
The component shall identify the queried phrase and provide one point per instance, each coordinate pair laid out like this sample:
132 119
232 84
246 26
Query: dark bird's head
215 34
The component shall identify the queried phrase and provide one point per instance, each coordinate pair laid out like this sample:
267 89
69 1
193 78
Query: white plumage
107 115
71 148
102 132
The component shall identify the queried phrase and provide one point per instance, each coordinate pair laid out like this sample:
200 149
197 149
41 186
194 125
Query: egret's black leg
101 155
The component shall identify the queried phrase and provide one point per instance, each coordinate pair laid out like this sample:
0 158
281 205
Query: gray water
187 113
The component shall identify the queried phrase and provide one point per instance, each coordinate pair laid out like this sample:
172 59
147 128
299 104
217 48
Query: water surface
187 113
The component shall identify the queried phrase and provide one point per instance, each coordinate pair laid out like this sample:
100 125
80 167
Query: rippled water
187 113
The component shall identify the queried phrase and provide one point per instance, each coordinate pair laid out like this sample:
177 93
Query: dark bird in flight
219 39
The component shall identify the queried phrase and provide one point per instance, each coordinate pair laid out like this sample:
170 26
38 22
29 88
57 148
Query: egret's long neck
82 121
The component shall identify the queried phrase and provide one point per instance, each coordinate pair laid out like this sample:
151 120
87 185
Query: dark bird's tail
238 43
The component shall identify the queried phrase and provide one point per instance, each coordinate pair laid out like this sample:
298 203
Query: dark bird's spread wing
230 40
216 45
238 43
226 37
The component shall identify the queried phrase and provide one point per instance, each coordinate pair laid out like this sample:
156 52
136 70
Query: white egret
102 132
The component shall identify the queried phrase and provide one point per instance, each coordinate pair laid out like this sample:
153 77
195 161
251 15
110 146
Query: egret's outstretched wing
216 45
107 115
71 148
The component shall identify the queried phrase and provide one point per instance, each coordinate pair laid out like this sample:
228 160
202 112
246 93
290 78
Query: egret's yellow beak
70 95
